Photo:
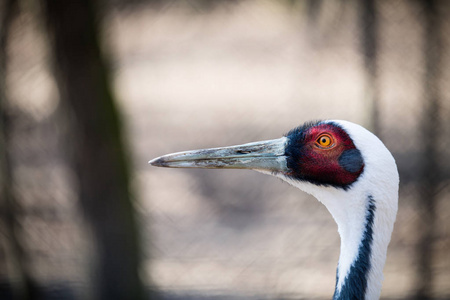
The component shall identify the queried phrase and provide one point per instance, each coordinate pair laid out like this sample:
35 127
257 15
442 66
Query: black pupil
324 140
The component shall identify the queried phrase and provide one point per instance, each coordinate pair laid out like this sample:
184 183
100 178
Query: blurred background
92 90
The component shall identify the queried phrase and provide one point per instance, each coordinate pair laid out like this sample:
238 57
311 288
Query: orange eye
325 141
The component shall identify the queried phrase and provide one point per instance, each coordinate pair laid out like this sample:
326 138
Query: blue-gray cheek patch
351 160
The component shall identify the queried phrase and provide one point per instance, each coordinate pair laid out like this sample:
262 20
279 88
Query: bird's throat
365 222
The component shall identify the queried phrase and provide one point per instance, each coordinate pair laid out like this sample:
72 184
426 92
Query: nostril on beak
243 152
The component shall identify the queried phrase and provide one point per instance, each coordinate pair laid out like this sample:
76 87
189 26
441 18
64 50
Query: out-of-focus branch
430 175
99 158
368 19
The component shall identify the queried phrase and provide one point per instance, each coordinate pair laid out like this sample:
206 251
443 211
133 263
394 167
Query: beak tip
157 162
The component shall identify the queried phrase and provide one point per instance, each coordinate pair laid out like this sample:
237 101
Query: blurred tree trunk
369 47
99 156
23 287
430 136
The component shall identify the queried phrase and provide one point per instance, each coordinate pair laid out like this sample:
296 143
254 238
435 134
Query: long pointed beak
262 156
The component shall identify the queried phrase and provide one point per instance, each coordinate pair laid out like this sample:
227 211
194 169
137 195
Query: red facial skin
321 164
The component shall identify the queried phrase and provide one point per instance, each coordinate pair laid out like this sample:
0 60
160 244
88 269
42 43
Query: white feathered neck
352 208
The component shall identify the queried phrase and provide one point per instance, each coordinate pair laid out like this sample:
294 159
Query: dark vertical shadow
99 156
430 174
368 20
313 8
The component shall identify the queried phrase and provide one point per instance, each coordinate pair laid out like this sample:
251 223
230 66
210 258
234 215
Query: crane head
321 153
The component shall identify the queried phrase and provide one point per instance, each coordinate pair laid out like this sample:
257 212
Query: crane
345 167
